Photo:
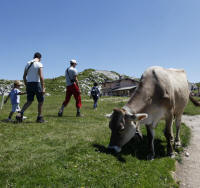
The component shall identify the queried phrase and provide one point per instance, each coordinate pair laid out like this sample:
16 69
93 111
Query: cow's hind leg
177 142
150 136
169 136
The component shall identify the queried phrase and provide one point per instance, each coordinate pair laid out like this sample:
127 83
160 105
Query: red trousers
73 90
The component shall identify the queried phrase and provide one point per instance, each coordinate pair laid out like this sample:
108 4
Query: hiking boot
78 114
19 117
40 119
9 120
60 113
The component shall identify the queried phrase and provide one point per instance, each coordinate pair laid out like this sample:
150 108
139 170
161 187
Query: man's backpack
94 92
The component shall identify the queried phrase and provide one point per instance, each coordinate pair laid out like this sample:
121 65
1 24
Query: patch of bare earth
188 171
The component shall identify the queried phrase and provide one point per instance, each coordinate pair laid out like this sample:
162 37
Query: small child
14 96
95 94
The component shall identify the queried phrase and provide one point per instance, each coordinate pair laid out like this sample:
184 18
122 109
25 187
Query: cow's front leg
150 136
169 136
177 142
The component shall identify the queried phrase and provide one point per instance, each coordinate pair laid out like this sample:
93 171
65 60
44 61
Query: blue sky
126 36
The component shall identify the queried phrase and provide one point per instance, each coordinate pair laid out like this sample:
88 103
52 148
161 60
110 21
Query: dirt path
188 173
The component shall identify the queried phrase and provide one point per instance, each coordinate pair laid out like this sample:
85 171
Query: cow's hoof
177 144
171 155
150 157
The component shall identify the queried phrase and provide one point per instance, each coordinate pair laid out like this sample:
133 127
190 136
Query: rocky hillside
57 85
86 80
5 86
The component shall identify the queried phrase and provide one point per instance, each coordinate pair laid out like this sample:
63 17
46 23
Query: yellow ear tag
142 117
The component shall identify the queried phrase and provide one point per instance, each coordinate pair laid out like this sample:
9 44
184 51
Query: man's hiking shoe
8 120
78 114
60 113
40 119
19 118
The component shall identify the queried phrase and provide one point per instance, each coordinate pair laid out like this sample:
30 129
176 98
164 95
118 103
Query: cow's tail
194 101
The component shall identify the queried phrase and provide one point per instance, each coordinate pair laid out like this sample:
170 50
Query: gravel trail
188 172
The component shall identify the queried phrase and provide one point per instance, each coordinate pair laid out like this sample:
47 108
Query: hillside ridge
58 84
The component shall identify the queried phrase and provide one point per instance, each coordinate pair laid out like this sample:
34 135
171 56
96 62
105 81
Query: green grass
71 152
191 110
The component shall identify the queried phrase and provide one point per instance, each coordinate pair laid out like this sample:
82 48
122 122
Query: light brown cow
161 94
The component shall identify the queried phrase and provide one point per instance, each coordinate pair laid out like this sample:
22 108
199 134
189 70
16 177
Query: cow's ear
137 117
117 110
140 117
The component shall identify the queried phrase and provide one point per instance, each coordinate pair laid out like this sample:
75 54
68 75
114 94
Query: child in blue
95 94
14 96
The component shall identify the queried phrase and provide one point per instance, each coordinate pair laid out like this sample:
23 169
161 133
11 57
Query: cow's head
123 127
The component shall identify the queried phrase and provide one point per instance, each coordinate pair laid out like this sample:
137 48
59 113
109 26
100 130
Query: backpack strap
29 67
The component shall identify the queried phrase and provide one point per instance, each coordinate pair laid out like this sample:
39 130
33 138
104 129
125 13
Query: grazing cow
161 94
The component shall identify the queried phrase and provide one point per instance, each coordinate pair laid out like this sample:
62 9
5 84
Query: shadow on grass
23 122
9 122
136 148
56 115
103 149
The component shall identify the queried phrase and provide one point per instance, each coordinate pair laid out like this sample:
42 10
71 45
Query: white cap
73 61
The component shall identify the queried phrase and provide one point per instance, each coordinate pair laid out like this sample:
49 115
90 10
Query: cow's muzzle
116 148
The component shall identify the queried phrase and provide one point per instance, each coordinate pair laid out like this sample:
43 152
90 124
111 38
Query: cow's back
181 89
173 85
160 91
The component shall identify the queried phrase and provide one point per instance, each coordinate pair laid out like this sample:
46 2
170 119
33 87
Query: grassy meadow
71 152
191 110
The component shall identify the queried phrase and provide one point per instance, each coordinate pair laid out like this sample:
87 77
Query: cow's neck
134 107
137 103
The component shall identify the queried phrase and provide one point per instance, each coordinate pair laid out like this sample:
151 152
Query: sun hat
73 61
17 82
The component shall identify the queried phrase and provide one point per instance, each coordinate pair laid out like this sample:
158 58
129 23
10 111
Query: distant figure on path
34 81
72 88
14 96
95 94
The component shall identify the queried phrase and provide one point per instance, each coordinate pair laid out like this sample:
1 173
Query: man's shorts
15 108
32 89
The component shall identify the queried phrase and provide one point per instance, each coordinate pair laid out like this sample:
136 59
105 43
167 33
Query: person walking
34 81
95 94
72 88
14 96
